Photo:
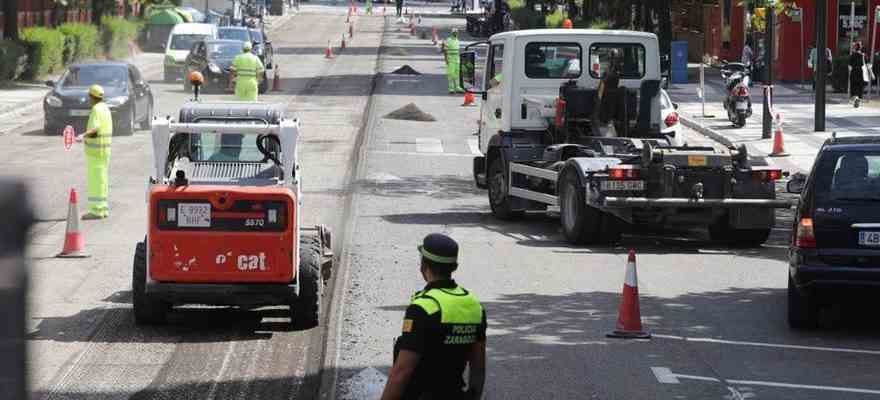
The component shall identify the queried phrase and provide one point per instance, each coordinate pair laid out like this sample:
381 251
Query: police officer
444 330
98 135
247 68
453 62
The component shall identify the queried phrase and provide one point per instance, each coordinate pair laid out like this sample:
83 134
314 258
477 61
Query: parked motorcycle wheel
740 121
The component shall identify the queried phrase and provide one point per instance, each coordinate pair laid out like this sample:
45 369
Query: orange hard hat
567 24
196 78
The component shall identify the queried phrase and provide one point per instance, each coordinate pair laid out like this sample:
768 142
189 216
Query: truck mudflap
695 203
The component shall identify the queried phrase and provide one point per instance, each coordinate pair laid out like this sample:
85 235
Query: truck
225 216
590 141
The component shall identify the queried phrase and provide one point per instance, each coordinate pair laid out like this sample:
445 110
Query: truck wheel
720 231
147 310
499 200
580 222
802 313
306 308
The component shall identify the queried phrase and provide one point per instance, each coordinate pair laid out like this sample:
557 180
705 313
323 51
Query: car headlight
116 101
53 101
214 68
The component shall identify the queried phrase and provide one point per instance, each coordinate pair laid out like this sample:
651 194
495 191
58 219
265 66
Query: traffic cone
74 241
342 46
468 99
328 53
276 82
434 35
778 141
629 318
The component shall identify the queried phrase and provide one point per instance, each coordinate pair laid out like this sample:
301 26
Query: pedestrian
859 74
247 70
451 52
399 5
97 138
444 330
811 62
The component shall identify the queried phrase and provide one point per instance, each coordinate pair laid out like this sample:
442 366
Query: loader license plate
869 239
194 215
741 105
623 186
79 113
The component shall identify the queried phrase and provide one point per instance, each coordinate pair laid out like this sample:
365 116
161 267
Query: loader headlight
53 101
117 101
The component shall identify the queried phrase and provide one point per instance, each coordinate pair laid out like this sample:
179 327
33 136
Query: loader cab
520 74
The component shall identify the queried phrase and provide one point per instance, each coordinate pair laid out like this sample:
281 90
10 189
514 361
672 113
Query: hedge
523 17
554 19
45 48
117 33
82 41
13 60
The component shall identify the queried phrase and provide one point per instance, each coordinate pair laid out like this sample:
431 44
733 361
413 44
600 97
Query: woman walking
857 74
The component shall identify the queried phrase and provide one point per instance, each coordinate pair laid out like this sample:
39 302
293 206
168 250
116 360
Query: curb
705 131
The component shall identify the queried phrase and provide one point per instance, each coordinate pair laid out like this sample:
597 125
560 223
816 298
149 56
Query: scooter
738 102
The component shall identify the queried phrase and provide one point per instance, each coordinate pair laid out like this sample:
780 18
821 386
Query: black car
239 33
125 91
835 245
213 58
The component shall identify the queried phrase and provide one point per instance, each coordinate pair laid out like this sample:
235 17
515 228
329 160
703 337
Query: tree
10 13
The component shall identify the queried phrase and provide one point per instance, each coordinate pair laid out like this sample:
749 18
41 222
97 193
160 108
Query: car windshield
848 176
226 147
223 50
185 42
104 75
235 34
257 36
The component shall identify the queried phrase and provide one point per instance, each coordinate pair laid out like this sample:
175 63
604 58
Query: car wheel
147 310
128 123
720 231
49 129
147 123
306 308
580 222
802 313
499 200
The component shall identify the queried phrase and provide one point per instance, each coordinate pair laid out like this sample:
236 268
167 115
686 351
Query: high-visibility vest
101 119
452 50
247 65
460 313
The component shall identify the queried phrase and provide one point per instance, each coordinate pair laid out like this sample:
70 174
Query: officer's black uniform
441 324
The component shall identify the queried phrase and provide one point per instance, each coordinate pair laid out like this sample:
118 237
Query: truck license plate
194 215
624 186
869 238
741 105
79 113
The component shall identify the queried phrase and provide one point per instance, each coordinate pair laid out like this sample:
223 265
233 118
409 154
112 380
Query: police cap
440 249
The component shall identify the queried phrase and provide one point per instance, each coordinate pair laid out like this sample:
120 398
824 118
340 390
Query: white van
180 41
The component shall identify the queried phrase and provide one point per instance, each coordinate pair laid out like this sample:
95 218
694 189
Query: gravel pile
410 112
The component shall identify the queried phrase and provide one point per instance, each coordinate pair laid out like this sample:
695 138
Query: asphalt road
717 314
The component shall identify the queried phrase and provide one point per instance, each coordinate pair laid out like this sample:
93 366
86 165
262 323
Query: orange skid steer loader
224 216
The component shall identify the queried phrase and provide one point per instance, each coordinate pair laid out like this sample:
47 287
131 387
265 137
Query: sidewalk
797 108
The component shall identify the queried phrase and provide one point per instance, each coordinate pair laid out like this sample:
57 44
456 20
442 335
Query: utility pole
767 123
821 33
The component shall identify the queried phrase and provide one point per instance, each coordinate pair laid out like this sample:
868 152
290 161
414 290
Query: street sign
69 133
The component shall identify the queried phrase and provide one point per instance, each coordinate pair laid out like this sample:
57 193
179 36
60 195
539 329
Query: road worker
247 69
97 137
444 330
451 51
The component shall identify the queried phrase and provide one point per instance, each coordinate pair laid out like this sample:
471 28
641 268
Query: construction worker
451 52
97 137
248 71
444 330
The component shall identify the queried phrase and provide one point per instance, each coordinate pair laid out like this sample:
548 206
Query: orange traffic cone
629 318
434 35
74 241
468 99
778 141
276 82
328 53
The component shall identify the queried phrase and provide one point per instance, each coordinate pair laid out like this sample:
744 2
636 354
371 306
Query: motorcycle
738 102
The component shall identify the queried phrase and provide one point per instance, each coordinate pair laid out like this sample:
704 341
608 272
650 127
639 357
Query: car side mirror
675 106
50 83
796 184
467 75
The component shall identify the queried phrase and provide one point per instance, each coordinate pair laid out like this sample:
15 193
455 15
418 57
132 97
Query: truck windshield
185 42
626 59
553 60
226 147
848 175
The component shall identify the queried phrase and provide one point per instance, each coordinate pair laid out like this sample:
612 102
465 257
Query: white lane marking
473 144
413 153
223 366
670 377
771 345
429 145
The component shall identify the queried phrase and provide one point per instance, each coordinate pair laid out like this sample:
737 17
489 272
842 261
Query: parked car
835 248
671 125
180 42
213 58
125 91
